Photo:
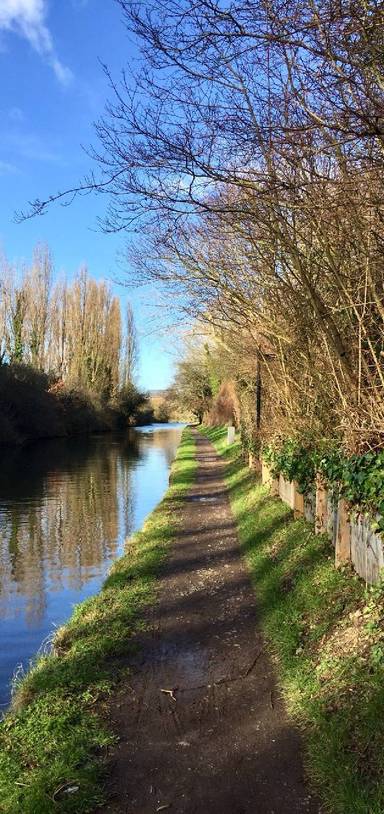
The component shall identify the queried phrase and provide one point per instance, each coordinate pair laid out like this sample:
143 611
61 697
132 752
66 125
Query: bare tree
130 358
71 331
36 284
250 153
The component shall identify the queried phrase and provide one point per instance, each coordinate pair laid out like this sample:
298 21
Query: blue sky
52 90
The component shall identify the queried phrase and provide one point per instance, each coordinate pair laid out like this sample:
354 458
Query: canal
66 509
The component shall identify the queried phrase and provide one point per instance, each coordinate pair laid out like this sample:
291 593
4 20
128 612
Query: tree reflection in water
66 507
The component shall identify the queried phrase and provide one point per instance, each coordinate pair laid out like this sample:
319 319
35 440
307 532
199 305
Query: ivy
363 483
357 478
250 441
294 461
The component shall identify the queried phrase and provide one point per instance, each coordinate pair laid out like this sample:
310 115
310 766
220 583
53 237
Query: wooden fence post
266 477
298 506
343 535
321 506
230 434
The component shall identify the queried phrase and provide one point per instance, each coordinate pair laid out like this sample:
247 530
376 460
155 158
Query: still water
66 509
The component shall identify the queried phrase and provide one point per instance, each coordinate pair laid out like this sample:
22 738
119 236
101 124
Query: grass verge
326 632
52 739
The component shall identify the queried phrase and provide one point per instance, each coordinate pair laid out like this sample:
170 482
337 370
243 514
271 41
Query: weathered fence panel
366 548
310 506
353 536
331 517
298 500
287 491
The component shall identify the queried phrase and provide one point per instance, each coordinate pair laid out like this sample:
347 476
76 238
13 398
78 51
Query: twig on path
171 693
255 660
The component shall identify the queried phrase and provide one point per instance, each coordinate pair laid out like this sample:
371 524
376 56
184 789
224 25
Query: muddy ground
201 724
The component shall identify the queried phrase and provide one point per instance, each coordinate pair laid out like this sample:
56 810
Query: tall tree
37 285
131 348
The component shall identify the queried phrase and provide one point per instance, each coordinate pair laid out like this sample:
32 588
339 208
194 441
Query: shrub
27 409
128 403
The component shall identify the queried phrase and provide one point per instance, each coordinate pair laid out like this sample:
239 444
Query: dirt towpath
202 727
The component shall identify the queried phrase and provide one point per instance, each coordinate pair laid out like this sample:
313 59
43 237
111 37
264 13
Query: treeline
255 161
67 357
256 164
71 331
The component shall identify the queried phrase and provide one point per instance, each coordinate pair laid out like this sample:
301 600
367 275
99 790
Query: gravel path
201 724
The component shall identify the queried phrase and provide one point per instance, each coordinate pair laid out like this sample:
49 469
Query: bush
294 461
27 409
32 407
162 413
128 403
82 412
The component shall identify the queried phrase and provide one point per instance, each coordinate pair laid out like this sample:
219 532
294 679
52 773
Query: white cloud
28 18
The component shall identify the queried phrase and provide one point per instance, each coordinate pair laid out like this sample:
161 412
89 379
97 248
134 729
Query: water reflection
66 508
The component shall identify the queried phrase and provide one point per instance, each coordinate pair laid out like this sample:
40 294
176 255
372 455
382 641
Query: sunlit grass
52 739
326 633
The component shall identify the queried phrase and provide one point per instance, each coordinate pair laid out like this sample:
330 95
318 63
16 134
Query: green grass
326 633
54 736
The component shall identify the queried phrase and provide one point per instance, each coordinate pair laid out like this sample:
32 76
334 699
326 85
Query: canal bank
200 721
52 740
173 704
235 689
67 506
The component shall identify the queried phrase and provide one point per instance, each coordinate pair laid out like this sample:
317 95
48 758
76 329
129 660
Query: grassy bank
326 632
52 740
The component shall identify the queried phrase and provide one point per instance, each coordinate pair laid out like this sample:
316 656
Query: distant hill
157 394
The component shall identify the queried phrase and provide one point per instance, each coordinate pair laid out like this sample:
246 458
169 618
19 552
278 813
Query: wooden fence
351 532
